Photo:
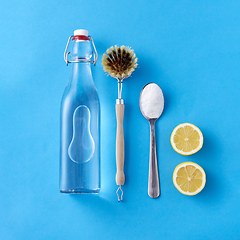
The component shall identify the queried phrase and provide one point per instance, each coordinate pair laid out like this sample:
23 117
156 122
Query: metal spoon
151 105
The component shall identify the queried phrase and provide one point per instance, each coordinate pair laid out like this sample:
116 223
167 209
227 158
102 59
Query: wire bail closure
95 54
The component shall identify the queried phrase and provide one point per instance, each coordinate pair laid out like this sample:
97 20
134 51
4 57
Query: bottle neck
81 50
81 75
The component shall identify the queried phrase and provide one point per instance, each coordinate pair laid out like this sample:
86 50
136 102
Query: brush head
119 62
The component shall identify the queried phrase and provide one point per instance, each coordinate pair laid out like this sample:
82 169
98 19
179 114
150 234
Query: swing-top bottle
80 120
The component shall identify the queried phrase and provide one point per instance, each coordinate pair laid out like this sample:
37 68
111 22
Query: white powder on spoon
152 101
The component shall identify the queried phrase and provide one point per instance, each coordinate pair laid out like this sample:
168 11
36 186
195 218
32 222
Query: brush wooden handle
120 177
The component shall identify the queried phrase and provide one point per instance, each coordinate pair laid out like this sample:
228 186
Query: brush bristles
119 62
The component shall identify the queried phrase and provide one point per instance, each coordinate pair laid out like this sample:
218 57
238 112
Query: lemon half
189 178
186 139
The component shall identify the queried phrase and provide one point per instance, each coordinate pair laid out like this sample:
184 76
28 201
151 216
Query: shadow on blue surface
90 203
209 157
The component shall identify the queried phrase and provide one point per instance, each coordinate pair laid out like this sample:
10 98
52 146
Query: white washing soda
152 101
151 104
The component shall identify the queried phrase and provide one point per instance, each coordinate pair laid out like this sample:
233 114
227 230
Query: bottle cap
81 32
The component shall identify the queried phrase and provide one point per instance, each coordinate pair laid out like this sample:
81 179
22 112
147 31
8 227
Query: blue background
190 48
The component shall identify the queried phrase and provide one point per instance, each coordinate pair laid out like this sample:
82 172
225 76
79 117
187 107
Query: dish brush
119 62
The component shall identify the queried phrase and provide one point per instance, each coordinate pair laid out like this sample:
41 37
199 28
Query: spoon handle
153 178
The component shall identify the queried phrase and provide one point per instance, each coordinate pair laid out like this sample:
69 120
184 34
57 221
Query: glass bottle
80 120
